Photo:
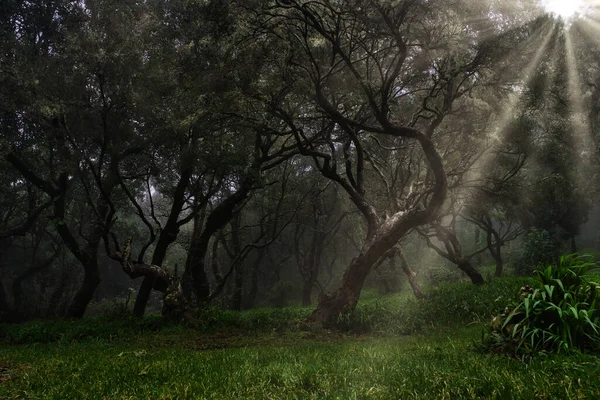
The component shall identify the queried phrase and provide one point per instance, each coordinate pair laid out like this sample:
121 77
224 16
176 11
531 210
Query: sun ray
592 23
582 138
565 9
498 130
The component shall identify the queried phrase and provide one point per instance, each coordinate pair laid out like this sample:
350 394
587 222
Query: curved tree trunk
195 273
382 236
466 266
253 292
167 236
499 267
4 309
143 295
91 280
238 281
410 274
307 286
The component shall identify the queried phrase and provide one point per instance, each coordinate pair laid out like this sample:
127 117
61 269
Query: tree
363 74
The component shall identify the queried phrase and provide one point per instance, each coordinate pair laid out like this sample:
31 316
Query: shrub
537 249
563 314
439 274
447 305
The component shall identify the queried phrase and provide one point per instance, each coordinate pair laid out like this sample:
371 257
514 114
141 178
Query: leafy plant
538 249
562 315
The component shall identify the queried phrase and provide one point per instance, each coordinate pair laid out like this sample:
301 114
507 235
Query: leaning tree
358 77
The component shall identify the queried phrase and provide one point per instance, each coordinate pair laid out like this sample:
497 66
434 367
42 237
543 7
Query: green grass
272 354
168 366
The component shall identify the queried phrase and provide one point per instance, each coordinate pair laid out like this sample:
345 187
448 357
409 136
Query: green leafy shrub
439 274
89 329
537 249
449 304
561 315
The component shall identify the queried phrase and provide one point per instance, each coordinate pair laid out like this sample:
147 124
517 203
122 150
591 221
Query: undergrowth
452 304
562 314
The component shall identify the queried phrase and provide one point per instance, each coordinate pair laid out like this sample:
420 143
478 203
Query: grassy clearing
271 354
166 366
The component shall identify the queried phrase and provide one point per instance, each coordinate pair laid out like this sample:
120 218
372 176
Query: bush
450 304
561 315
440 274
112 309
537 249
89 329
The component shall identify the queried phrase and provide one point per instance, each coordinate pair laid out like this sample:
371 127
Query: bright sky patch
565 9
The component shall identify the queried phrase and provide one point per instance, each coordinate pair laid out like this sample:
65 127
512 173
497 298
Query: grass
168 366
271 354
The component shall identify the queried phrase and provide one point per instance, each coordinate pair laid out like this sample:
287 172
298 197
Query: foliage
537 249
99 329
561 315
437 274
449 304
112 309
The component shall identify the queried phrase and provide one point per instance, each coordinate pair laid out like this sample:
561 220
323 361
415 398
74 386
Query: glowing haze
565 9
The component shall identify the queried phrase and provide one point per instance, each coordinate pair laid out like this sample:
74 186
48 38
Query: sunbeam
511 103
566 9
582 139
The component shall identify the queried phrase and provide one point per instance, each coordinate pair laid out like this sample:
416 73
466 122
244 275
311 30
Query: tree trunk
254 282
4 309
166 237
499 266
91 280
381 237
196 254
253 288
143 295
217 219
88 256
410 274
307 292
495 250
472 273
344 299
238 286
573 245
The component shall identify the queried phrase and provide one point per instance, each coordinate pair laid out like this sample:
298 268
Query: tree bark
410 274
236 248
466 266
254 280
254 283
384 237
236 299
499 267
216 220
91 280
4 308
196 254
166 237
307 286
143 295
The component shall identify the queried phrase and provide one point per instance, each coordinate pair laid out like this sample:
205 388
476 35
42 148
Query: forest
290 199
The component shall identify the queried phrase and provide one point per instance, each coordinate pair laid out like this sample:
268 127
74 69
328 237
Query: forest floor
270 354
184 365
